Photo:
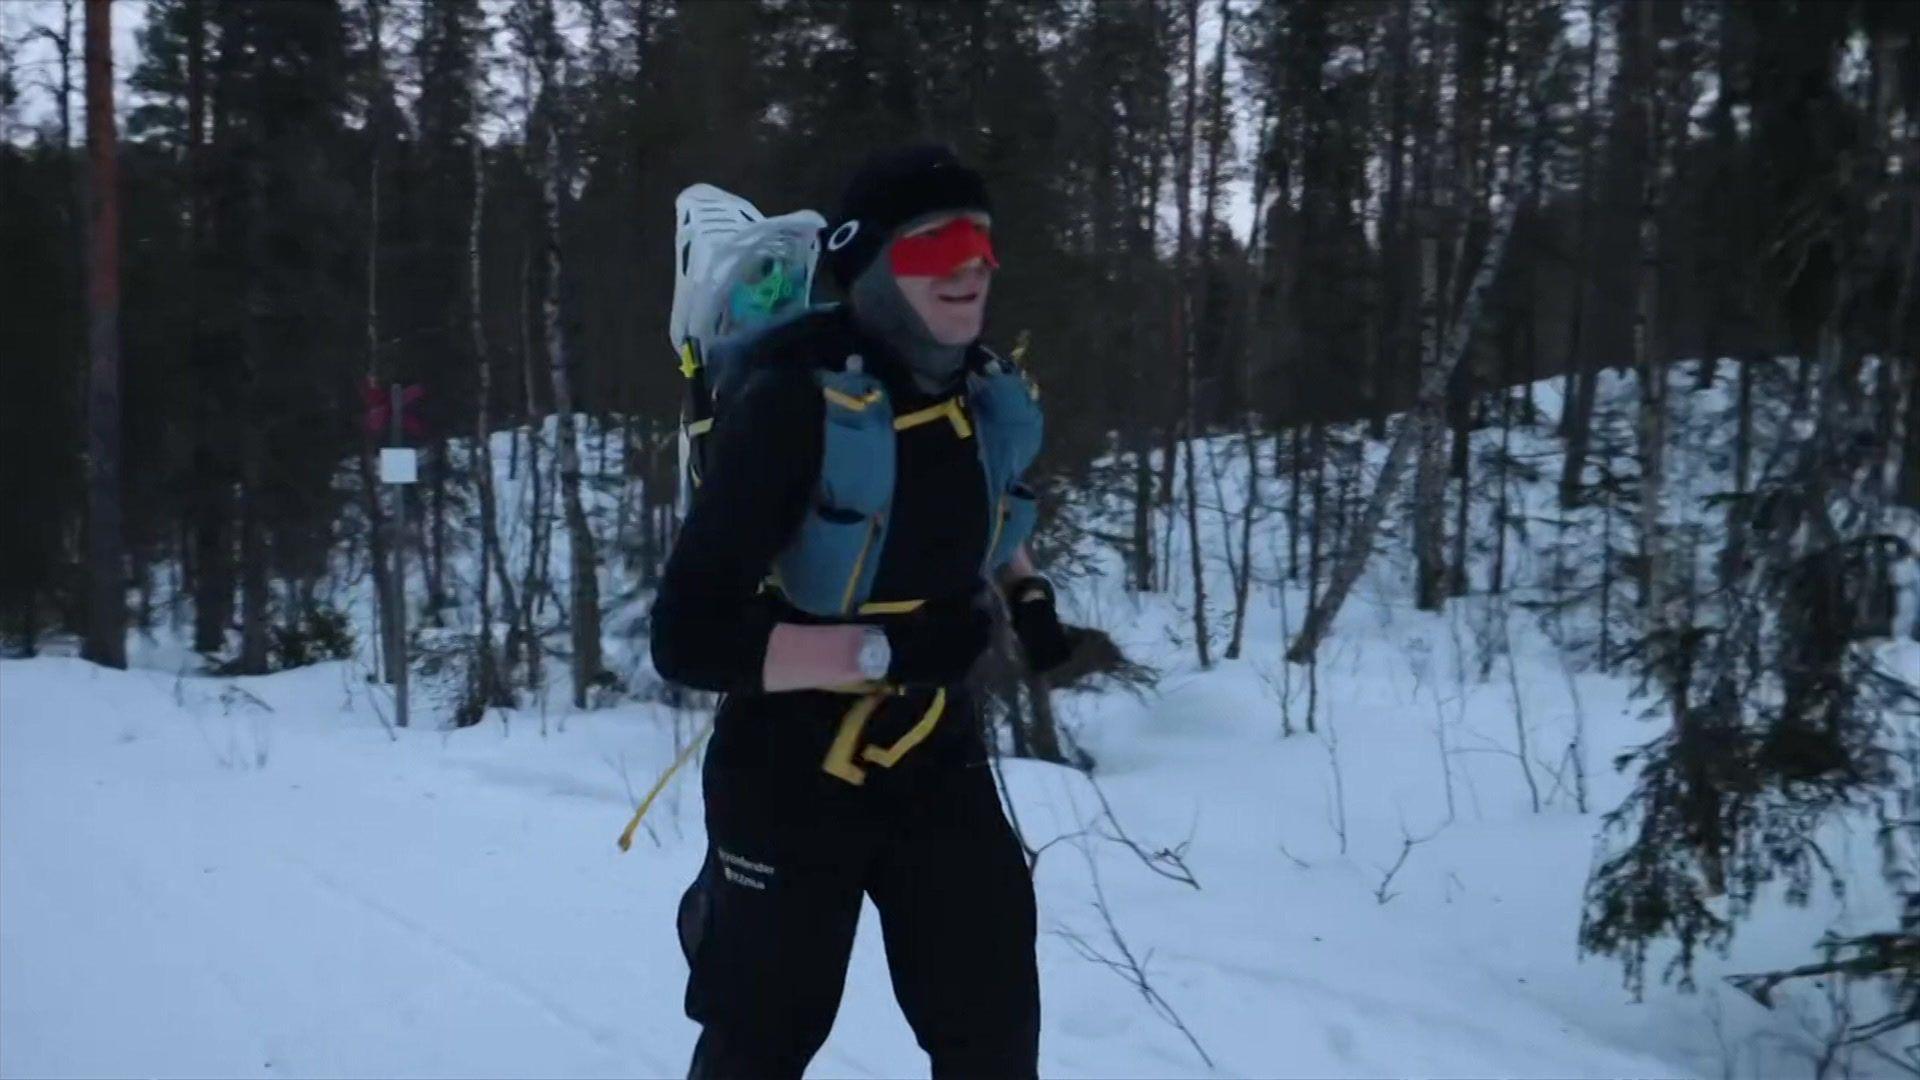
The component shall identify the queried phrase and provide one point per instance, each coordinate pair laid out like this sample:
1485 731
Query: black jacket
711 618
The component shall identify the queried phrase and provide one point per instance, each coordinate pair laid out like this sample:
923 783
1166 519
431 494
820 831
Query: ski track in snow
602 1038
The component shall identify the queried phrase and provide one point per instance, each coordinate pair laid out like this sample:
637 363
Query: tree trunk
211 484
584 598
62 43
1905 445
1317 534
386 600
1652 427
1710 224
1140 259
1389 336
255 598
1498 583
534 584
1294 467
1184 336
1604 656
1477 155
1165 488
433 531
1223 343
75 179
1142 552
212 538
1576 416
106 641
1180 309
1429 482
1249 435
491 687
1360 543
1463 470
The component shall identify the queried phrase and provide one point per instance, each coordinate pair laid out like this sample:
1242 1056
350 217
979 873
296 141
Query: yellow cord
626 838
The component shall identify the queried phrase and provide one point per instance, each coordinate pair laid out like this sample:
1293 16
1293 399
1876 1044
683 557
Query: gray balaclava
882 310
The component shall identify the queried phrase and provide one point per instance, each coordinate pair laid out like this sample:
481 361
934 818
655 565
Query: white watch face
875 655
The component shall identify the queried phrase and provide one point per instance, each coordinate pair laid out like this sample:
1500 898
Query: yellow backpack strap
847 741
890 756
839 759
949 410
848 401
891 607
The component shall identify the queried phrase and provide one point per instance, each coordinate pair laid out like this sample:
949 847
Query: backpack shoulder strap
805 341
1006 405
1006 408
828 568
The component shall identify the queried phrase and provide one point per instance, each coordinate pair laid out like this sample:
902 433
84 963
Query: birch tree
490 687
1362 538
1429 477
584 590
1576 412
1183 332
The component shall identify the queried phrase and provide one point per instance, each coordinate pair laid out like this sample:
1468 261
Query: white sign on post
399 465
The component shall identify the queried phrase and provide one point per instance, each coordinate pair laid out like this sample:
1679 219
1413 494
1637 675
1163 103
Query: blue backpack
828 567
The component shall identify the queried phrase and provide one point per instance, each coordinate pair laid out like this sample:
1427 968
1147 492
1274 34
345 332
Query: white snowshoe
735 271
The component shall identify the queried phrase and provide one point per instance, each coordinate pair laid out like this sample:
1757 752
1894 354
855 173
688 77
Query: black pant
768 925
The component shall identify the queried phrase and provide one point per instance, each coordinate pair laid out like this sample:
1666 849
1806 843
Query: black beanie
891 189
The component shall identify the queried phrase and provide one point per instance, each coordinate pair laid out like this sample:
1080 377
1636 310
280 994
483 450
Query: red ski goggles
939 252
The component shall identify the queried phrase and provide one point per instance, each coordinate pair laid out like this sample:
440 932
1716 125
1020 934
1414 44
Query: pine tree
106 641
285 207
1783 713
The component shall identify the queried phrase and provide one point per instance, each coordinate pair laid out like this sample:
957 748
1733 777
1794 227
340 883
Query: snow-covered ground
257 877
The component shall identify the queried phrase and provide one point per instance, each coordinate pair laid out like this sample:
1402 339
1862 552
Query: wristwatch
875 654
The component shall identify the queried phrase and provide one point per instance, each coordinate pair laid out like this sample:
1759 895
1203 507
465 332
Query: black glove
1037 624
938 643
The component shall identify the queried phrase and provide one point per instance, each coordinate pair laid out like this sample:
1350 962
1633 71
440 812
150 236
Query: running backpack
740 274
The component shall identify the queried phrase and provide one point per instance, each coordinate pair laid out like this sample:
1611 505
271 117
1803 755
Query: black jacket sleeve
709 629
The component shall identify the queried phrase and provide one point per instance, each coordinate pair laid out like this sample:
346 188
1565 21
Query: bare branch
1169 863
1128 966
1407 843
